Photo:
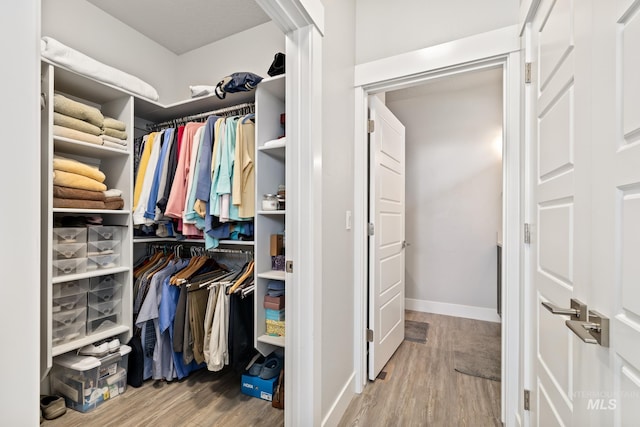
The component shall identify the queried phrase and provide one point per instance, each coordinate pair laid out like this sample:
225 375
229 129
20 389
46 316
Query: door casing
495 48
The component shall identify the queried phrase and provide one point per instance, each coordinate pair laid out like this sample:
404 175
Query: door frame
494 48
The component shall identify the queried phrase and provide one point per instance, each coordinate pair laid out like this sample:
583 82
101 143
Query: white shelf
89 339
276 151
88 274
278 212
173 240
72 146
273 275
91 211
269 339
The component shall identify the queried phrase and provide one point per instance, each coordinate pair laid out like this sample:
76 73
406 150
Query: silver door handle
595 331
578 310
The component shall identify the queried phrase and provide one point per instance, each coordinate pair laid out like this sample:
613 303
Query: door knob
594 331
578 310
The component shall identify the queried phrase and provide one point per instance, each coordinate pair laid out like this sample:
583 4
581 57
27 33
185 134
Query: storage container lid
124 349
76 362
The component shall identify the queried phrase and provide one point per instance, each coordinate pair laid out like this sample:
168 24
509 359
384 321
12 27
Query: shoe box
257 387
86 382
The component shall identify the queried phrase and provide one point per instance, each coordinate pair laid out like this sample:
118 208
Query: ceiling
184 25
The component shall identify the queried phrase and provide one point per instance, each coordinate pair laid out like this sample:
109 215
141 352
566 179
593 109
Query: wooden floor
421 388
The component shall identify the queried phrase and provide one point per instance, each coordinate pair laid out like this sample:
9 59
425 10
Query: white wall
337 195
88 29
20 187
385 28
453 191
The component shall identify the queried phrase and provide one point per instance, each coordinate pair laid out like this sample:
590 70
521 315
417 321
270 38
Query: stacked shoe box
103 247
69 310
274 308
69 250
86 382
104 303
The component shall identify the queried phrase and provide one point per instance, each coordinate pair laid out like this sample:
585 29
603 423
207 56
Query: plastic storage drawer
69 250
102 323
64 267
70 235
65 319
71 302
104 309
105 295
72 287
103 262
68 333
104 232
103 247
103 282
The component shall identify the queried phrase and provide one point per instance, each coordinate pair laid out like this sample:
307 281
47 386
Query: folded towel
115 133
76 134
113 203
77 203
61 54
114 145
73 180
75 193
114 140
74 166
113 192
69 107
201 90
110 122
77 124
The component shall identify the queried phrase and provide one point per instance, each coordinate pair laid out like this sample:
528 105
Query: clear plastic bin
103 247
72 287
70 235
104 232
69 250
105 295
72 302
64 267
65 319
103 262
68 333
103 282
104 309
102 323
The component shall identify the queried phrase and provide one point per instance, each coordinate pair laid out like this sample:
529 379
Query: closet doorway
409 72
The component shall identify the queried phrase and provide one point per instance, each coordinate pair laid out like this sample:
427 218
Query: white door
386 245
586 210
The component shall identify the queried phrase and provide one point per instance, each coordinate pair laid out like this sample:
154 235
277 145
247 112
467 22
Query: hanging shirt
172 165
140 208
142 166
243 189
189 216
152 210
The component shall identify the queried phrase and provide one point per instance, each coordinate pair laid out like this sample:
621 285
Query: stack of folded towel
114 133
81 186
75 120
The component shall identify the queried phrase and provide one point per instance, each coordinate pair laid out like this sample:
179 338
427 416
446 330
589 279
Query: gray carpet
477 355
416 331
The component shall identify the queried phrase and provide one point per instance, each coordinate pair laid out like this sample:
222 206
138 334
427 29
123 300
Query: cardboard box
277 244
270 314
257 387
275 303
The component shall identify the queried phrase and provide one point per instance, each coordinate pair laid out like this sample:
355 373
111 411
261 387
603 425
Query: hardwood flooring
421 388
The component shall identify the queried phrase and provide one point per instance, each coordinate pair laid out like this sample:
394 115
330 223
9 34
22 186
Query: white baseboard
337 410
448 309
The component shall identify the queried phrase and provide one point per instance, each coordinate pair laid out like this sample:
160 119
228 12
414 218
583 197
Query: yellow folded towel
76 134
77 124
74 166
73 180
115 133
110 122
69 107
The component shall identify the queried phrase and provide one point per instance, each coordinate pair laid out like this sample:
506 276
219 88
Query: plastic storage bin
103 247
64 267
74 331
104 309
69 250
69 235
103 261
103 282
67 318
98 324
105 295
72 287
71 302
99 233
86 382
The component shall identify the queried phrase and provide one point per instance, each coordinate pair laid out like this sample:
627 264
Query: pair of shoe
266 368
100 349
52 407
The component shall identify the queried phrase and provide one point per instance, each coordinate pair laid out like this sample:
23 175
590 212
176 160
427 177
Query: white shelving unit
117 166
270 173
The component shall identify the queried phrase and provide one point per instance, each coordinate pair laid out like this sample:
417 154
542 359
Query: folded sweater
77 124
74 166
69 107
120 134
76 134
110 122
77 203
73 180
114 203
76 193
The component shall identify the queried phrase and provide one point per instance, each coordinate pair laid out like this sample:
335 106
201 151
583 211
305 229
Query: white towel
64 55
114 140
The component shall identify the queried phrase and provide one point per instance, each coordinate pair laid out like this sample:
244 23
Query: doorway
498 49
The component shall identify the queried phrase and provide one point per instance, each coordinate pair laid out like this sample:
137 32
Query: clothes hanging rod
245 108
